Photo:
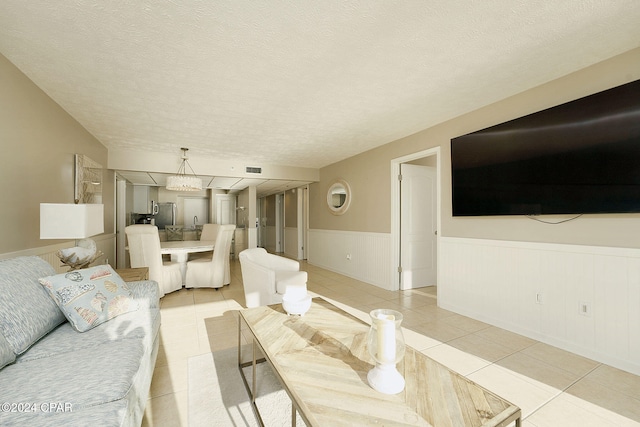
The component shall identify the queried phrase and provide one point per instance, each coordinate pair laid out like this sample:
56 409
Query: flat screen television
581 157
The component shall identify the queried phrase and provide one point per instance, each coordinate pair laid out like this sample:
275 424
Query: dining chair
208 232
214 272
144 251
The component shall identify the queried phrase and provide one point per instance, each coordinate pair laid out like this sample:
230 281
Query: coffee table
322 361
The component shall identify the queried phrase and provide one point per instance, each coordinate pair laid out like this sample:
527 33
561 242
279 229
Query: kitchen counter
180 232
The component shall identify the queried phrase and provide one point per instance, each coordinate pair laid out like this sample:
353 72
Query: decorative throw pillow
91 296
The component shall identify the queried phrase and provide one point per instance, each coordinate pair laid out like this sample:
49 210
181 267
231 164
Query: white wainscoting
539 290
370 254
105 243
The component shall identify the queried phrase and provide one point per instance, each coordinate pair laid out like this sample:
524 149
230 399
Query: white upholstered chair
266 277
213 272
209 232
144 251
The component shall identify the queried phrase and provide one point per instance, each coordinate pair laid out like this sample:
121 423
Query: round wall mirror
338 197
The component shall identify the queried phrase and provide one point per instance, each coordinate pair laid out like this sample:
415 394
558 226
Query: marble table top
186 246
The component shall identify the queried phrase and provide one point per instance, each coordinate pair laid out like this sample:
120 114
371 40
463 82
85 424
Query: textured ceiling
300 83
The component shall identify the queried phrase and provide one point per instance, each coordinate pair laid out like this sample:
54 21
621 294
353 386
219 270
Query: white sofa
266 277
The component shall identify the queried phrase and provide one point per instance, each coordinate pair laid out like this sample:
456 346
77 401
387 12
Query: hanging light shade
181 181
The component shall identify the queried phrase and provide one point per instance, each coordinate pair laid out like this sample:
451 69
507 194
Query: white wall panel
633 303
611 313
497 282
580 288
369 252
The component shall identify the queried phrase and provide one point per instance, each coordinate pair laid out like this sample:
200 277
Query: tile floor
551 386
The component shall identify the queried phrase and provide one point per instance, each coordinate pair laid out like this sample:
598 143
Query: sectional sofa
76 349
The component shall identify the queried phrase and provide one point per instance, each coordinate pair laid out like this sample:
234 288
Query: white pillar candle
386 338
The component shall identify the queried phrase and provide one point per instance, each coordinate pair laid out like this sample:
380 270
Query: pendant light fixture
181 181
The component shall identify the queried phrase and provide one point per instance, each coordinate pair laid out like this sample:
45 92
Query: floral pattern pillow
91 296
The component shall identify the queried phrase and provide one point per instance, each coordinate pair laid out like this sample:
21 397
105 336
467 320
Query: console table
133 274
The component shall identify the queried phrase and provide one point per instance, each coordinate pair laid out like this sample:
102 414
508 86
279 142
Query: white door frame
280 223
395 211
259 213
300 203
305 231
121 223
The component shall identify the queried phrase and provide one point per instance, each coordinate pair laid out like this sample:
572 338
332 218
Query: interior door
418 222
305 221
121 223
225 209
280 222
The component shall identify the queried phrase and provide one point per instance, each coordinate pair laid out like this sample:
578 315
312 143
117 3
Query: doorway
304 217
415 219
121 223
225 209
279 222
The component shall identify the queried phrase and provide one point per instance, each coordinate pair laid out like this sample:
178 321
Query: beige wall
270 210
39 140
247 198
369 174
369 178
291 208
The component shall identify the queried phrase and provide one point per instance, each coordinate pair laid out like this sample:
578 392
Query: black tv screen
576 158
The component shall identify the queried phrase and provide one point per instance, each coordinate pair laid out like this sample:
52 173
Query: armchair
266 277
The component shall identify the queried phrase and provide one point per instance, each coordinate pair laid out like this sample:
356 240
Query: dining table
180 250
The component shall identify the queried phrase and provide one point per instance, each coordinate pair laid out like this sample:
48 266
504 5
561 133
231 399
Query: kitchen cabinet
142 197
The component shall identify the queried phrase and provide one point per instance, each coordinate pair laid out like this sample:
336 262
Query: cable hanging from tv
533 217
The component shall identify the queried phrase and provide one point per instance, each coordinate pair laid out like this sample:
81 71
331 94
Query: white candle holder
386 345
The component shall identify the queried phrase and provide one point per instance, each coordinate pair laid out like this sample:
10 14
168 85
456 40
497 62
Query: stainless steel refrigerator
166 215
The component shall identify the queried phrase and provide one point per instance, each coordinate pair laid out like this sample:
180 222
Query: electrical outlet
538 297
584 308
